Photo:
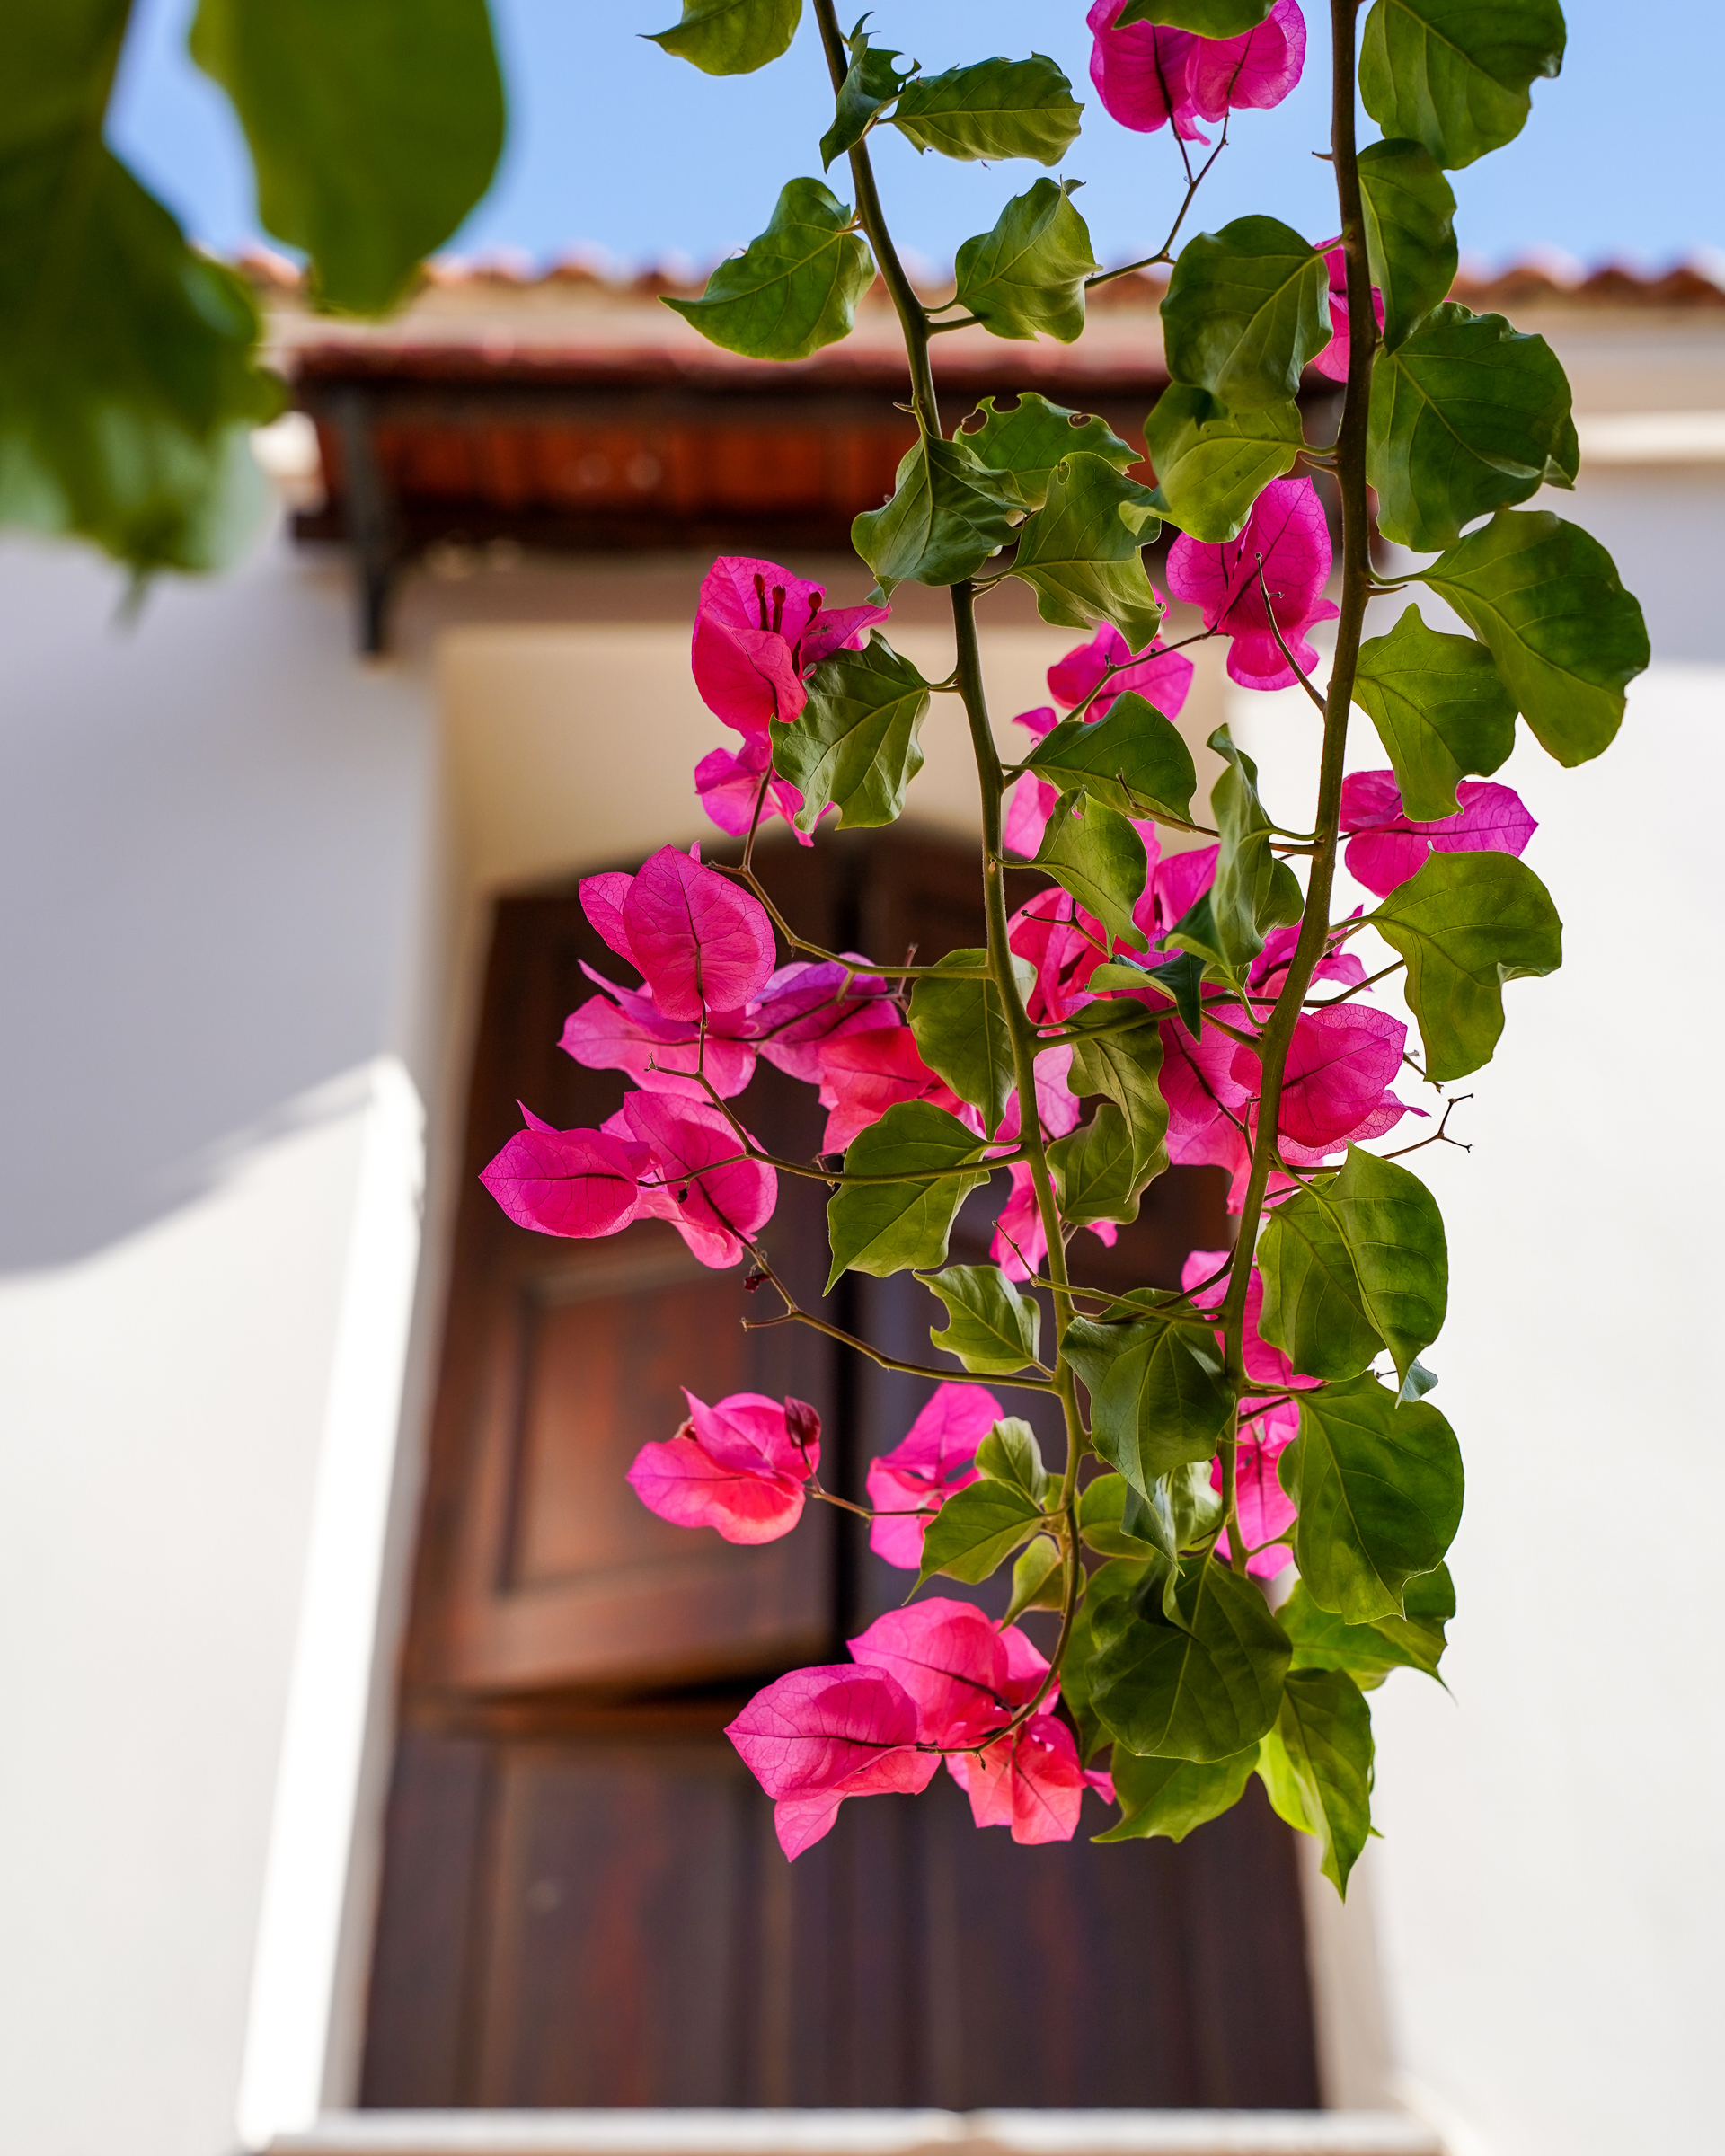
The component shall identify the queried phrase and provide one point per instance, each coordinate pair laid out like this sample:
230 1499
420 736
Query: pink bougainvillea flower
729 784
1265 1365
1019 1244
757 630
951 1661
935 1456
1265 1507
1287 530
1332 360
808 1004
567 1182
1269 968
1029 806
700 942
865 1072
1163 678
1385 846
696 1177
1255 70
1146 76
1065 944
1031 1781
1340 1065
820 1736
621 1030
739 1466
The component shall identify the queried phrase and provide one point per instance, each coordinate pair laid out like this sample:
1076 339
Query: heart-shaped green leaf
1132 760
947 514
1201 1686
1316 1764
856 742
1083 552
1454 75
1157 1397
1211 464
1026 277
1247 308
1440 709
794 288
1098 857
1021 447
731 37
923 1156
990 1327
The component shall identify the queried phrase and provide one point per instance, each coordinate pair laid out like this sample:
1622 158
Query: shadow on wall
214 837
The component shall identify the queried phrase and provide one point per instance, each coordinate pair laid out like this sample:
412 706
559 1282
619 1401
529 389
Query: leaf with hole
1379 1488
990 1327
1247 309
1466 924
993 109
1440 709
871 82
1469 416
1083 552
1022 446
1026 277
856 743
1544 598
794 288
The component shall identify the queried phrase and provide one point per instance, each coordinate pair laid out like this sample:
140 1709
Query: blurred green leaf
1440 709
374 130
857 741
731 37
1454 75
794 288
1409 211
994 109
1246 309
1027 277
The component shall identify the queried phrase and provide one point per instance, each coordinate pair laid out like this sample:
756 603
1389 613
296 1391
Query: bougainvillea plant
1246 1532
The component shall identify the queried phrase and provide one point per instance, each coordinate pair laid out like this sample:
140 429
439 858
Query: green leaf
1418 1382
1101 1518
1207 18
129 373
1157 1397
1466 924
1410 212
794 288
1470 415
1246 309
1037 1579
373 131
1440 709
1132 760
1027 277
947 514
1009 1454
871 82
1171 1797
1254 891
884 1228
995 109
1106 1592
731 37
1544 599
1211 463
1356 1259
990 1327
1369 1652
1379 1488
1124 1063
1316 1764
961 1032
1023 446
1097 1169
1454 73
1202 1687
976 1529
1083 552
857 741
1183 1511
1098 857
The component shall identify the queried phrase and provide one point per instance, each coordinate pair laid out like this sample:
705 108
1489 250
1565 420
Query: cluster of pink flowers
1146 76
759 629
935 1681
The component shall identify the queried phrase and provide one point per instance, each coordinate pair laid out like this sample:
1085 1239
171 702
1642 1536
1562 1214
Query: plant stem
1355 589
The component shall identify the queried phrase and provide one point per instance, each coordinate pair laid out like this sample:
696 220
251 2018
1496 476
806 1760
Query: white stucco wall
226 892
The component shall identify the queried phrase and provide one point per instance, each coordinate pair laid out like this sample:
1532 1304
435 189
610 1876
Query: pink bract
621 1030
1265 1507
935 1456
567 1182
699 940
866 1070
1146 76
807 1005
820 1736
696 1181
1287 529
1339 1066
1386 846
948 1658
1163 678
739 1467
1255 70
757 630
1332 360
1031 1781
728 783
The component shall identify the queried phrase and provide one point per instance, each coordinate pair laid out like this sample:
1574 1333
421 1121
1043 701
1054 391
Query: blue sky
616 148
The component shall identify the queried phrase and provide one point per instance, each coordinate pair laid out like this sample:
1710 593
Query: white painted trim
1652 438
317 1781
862 2134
